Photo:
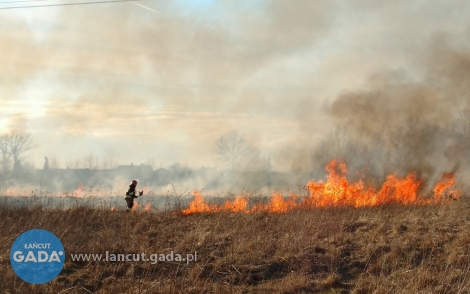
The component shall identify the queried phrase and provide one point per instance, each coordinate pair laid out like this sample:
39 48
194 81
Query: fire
147 206
197 205
277 204
337 191
443 186
238 205
136 205
113 208
79 190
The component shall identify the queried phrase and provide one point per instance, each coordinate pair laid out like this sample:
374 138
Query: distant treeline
204 178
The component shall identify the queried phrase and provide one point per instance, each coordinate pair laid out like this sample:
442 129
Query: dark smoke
401 125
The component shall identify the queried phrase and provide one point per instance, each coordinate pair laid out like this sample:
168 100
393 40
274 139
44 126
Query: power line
21 1
66 4
144 6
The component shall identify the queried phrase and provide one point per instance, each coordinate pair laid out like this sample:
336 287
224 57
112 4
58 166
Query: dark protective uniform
130 196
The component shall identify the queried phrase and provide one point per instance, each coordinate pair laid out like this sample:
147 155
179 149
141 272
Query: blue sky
196 4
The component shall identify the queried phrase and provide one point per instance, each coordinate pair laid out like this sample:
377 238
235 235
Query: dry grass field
386 249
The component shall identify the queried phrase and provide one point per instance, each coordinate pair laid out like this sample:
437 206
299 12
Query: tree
46 163
5 152
54 163
73 163
233 150
108 162
13 146
20 142
90 161
152 162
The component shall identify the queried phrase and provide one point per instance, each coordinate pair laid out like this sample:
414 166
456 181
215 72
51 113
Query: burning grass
342 237
382 249
337 191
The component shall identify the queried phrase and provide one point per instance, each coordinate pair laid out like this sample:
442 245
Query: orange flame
441 187
147 206
113 208
197 205
238 205
136 205
79 190
337 191
277 204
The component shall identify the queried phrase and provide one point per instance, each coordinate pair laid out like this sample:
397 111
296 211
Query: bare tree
108 162
73 163
19 142
90 161
152 162
46 163
54 162
233 150
5 152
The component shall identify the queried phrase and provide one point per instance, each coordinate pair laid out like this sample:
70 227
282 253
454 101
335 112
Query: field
385 249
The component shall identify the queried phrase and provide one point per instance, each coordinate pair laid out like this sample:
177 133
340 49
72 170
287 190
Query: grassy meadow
386 249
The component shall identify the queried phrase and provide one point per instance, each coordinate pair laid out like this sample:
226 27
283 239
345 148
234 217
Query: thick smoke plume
400 124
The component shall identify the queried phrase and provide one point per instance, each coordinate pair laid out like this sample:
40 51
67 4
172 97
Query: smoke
380 85
176 76
400 124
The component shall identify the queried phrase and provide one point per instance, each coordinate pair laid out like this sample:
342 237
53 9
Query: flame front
79 190
443 186
338 192
197 205
136 205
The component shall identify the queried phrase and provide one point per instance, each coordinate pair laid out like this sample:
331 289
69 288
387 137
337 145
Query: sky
126 82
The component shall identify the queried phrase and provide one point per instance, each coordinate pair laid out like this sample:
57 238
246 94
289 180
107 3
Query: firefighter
131 194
